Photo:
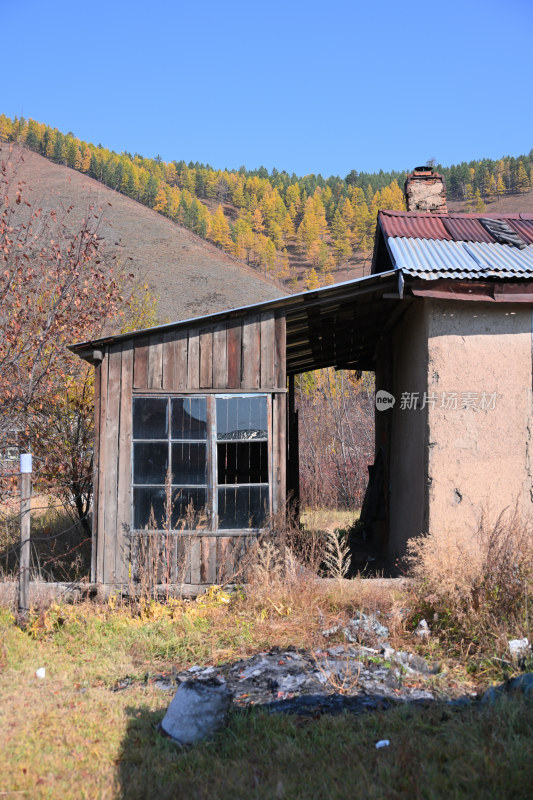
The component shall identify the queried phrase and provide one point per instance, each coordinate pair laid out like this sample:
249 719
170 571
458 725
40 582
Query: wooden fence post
25 517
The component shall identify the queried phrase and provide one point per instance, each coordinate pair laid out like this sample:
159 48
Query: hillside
189 276
509 204
300 231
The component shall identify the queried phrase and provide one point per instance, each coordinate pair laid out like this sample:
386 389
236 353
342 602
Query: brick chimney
425 190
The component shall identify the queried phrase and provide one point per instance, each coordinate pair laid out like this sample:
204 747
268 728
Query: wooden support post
25 517
293 455
291 395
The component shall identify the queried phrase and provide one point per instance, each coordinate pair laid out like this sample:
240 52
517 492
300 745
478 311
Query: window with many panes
208 454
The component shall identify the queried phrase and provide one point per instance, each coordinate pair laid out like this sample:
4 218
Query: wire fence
61 554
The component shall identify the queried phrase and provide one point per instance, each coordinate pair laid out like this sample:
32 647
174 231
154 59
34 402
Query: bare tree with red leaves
53 290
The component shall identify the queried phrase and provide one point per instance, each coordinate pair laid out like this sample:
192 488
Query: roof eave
286 303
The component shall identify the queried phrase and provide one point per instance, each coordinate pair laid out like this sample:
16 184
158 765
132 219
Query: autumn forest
272 221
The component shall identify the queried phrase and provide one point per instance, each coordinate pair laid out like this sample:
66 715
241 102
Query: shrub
476 584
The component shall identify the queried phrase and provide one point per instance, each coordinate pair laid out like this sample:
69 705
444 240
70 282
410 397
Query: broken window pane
242 462
189 463
242 418
242 507
150 462
150 418
174 433
149 508
189 417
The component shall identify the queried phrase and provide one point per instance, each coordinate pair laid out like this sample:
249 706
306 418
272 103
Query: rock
382 743
492 694
418 664
460 702
41 673
198 710
522 684
331 631
412 662
422 630
367 625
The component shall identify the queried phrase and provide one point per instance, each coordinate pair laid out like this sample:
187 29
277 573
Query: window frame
212 487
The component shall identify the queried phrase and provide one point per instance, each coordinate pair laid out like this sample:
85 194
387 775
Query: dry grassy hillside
511 204
189 276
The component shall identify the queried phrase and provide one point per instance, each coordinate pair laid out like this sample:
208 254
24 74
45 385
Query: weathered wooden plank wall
96 467
240 355
196 559
112 422
245 355
124 488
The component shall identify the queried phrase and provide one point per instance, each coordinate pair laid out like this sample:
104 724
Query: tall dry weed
159 558
477 582
337 558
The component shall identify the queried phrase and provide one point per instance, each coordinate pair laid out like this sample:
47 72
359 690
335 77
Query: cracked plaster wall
447 465
478 458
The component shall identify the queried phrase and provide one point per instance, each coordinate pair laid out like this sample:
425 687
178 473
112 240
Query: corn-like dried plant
337 556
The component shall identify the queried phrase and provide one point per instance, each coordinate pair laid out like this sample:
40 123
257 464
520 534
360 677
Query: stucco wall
479 456
408 431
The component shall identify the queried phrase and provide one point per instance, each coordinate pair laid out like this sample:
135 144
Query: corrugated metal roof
452 227
422 226
466 230
431 259
524 228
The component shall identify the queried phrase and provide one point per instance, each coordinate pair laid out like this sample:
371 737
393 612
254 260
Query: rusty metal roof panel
452 227
420 226
465 229
523 227
431 259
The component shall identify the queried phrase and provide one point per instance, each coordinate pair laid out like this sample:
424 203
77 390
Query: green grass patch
70 737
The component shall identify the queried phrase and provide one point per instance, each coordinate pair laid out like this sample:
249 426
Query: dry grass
327 519
474 587
71 737
68 736
337 557
60 549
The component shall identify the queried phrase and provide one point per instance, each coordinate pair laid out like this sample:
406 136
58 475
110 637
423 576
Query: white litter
197 710
519 647
41 672
382 743
422 630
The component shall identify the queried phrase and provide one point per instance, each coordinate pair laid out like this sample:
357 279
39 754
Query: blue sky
303 86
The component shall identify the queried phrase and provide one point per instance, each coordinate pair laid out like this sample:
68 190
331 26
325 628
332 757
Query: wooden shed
195 427
198 419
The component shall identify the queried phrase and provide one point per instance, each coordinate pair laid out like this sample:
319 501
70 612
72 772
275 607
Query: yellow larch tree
160 203
479 205
220 230
85 158
311 280
258 224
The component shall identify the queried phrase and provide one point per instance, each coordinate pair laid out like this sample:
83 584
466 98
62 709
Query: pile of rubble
350 677
342 678
347 677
